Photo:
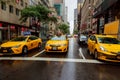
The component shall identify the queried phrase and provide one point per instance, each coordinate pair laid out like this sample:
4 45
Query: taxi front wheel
96 54
88 51
25 50
39 45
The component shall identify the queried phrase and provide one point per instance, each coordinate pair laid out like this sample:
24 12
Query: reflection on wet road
47 70
68 72
77 64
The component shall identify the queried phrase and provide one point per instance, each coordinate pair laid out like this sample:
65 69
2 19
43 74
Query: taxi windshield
59 38
108 40
19 39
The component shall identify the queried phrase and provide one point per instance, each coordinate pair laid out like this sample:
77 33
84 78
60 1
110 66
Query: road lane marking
52 59
81 53
38 53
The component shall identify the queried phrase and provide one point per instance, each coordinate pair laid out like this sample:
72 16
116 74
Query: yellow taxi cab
104 47
57 44
20 44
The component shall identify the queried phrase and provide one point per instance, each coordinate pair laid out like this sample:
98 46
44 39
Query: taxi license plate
54 48
4 50
118 57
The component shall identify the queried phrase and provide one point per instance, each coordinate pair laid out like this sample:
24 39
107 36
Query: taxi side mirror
95 41
28 40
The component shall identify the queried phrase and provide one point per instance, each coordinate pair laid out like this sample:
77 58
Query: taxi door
34 41
30 44
91 43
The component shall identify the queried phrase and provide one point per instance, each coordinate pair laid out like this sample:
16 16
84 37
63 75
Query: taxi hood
56 42
10 44
111 47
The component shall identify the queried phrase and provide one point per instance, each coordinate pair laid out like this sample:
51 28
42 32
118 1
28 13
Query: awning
108 3
97 11
103 7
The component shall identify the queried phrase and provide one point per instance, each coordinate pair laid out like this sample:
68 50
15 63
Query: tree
8 1
64 28
39 11
76 31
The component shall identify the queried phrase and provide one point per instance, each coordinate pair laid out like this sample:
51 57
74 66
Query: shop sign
26 33
22 29
12 27
1 27
31 30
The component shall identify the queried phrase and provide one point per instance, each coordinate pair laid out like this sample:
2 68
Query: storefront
34 30
106 13
9 31
4 32
13 31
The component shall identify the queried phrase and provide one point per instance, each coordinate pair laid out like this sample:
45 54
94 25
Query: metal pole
8 32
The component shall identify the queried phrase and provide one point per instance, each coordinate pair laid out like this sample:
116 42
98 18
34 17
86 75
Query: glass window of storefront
4 32
13 32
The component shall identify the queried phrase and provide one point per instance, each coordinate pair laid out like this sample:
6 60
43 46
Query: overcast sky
71 4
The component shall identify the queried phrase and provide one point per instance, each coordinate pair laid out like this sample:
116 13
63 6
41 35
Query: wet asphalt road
77 64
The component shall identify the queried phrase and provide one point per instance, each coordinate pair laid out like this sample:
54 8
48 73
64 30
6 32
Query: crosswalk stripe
81 53
52 59
38 53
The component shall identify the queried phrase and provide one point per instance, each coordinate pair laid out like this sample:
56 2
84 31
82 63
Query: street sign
26 33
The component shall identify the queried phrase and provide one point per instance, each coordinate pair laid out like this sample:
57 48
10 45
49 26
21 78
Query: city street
59 39
77 64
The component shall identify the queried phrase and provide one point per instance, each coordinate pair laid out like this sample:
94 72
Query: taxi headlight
17 46
47 44
102 48
64 45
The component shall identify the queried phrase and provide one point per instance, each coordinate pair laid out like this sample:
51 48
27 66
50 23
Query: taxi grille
112 57
54 50
6 50
55 45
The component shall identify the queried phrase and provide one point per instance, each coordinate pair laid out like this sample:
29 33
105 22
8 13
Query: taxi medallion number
118 57
54 48
4 50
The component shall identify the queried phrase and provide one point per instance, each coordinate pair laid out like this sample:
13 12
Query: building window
26 5
39 3
11 9
22 3
3 5
89 1
17 12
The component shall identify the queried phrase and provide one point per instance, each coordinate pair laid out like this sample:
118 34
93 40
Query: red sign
0 24
12 27
17 1
22 29
84 26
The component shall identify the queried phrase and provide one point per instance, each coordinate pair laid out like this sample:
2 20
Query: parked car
104 47
82 39
75 36
69 36
20 45
57 44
